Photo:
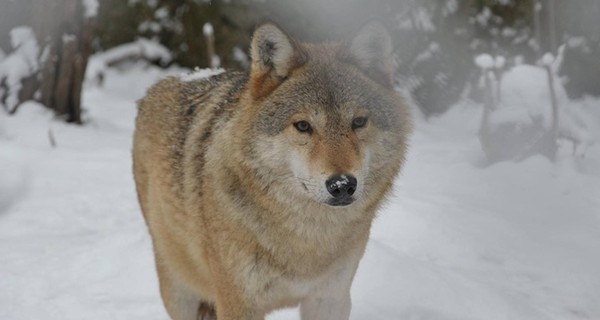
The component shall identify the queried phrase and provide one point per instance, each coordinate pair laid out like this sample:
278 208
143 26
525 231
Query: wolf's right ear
371 51
274 56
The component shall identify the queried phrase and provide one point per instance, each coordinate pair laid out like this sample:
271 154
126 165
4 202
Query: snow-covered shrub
18 65
522 123
141 49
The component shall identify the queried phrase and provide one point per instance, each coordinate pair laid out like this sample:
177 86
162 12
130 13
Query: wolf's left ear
274 56
371 51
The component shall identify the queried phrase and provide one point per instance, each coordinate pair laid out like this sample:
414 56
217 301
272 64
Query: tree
66 37
64 32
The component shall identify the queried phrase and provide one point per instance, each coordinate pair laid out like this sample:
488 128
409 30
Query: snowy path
457 241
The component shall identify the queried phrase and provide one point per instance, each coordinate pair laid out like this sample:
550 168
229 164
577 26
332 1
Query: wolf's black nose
342 186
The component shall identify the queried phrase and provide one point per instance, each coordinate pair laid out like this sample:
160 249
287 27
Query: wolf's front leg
234 302
235 309
331 299
314 308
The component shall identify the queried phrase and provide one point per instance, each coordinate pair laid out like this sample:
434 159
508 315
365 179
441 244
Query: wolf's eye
359 122
303 126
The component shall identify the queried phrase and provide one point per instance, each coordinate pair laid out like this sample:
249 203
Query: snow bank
526 99
14 177
515 241
521 124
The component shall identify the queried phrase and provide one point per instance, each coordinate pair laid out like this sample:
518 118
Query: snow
484 16
68 37
499 62
538 6
241 57
515 240
215 61
423 20
90 8
208 30
432 50
526 100
484 61
200 74
341 182
19 64
450 7
547 59
508 32
141 48
149 49
519 93
162 13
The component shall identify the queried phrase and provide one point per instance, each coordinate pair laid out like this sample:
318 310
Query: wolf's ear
274 56
371 51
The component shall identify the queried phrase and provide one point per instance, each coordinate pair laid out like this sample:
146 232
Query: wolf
259 188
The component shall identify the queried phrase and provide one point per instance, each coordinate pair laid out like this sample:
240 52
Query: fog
496 211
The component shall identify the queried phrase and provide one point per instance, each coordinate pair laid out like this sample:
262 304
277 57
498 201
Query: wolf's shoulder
182 95
195 84
222 84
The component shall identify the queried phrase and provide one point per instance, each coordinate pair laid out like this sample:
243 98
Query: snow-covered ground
459 240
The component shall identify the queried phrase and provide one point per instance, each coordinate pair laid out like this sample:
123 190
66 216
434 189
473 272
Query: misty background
496 214
436 43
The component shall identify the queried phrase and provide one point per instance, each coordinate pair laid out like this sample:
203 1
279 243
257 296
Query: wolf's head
324 122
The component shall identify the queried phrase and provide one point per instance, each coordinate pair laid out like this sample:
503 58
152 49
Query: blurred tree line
435 41
47 45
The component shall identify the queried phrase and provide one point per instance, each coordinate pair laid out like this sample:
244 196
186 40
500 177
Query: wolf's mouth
340 202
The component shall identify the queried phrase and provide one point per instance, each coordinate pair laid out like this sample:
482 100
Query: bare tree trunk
65 37
537 23
553 41
210 45
554 102
489 105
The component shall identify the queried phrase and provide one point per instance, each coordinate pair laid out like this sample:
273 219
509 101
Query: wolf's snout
341 187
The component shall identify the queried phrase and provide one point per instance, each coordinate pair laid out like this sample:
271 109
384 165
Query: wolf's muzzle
341 187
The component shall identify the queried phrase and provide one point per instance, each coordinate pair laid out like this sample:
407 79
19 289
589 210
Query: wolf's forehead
338 93
329 88
335 88
343 91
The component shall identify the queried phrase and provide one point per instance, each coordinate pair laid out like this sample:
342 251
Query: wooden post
553 41
537 23
554 103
